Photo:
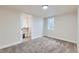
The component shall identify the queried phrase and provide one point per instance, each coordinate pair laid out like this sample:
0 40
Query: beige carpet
42 45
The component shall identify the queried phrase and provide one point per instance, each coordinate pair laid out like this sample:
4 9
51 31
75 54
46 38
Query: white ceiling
52 10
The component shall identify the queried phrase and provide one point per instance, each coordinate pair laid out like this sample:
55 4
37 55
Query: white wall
25 20
78 28
9 27
65 27
35 24
37 27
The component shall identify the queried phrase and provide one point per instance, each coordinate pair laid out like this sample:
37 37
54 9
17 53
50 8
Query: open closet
26 27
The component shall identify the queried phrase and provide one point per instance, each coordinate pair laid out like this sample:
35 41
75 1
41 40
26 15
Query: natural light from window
51 24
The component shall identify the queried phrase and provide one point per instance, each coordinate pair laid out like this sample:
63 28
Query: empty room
39 28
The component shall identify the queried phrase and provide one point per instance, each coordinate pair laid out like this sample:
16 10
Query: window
51 23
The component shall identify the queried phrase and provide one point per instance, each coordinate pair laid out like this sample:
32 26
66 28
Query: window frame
51 26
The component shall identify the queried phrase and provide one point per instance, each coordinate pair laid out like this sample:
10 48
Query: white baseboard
9 45
12 44
5 46
63 39
37 36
